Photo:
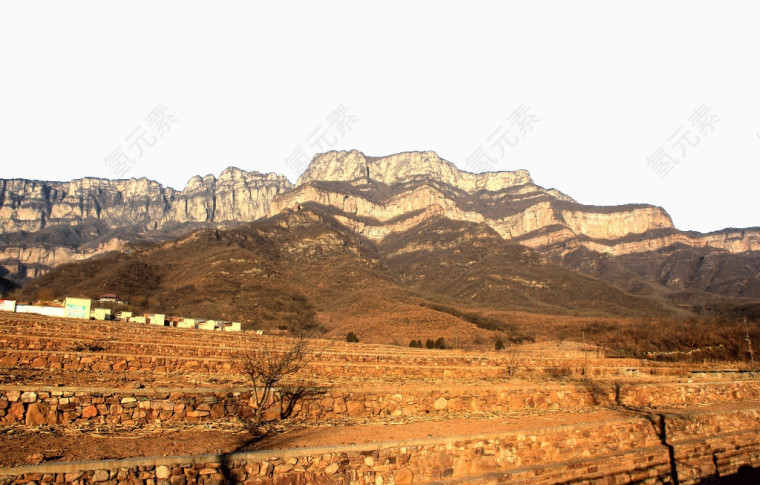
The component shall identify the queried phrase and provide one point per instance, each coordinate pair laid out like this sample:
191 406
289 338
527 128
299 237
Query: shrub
559 372
351 337
267 365
91 346
499 345
674 340
429 344
440 343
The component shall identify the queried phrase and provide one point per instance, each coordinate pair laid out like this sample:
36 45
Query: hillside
694 276
470 263
303 269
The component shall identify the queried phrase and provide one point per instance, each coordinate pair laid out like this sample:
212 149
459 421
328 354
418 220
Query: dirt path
389 431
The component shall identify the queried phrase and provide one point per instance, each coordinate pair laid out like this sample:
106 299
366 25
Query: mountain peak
336 165
353 165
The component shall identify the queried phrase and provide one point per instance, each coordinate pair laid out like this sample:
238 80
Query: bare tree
749 344
270 361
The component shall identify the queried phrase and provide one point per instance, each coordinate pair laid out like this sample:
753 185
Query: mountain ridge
375 197
303 269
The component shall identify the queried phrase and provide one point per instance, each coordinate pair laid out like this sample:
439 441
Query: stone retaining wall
430 368
52 405
180 347
689 394
67 406
681 427
619 451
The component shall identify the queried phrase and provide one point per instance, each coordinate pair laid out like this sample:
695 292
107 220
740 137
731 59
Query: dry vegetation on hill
694 276
471 263
443 279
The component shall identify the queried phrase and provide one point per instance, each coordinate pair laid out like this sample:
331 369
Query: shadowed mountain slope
470 263
303 269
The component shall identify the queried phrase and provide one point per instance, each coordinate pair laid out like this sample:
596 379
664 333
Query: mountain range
410 226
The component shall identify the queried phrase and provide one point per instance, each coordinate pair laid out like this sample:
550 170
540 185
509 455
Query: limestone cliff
381 197
31 205
130 209
508 202
349 166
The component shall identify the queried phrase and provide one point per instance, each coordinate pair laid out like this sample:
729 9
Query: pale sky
599 87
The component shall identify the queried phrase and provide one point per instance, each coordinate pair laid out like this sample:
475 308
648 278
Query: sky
609 102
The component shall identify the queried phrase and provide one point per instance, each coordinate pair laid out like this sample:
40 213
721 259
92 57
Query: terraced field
105 402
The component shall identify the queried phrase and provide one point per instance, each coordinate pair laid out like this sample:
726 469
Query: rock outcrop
379 196
31 205
131 209
54 256
341 166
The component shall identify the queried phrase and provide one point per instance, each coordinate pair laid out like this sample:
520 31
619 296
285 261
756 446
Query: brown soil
23 447
420 430
113 379
19 446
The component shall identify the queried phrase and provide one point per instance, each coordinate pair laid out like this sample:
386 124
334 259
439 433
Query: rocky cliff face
380 196
235 196
30 205
132 209
352 166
